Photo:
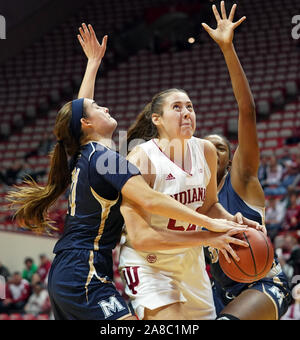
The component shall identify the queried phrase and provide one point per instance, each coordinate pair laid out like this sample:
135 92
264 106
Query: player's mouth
188 124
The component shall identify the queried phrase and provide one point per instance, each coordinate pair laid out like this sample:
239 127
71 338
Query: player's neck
176 150
221 181
104 140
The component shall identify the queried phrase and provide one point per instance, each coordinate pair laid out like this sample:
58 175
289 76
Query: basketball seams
252 254
268 252
257 276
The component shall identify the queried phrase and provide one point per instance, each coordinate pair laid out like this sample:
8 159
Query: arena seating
38 81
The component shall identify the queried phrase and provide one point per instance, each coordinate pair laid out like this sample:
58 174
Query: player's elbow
248 108
150 203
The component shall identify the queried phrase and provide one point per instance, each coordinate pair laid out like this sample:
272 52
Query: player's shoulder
207 146
137 154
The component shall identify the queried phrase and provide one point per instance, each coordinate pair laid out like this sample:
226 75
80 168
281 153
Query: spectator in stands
35 278
292 217
27 170
294 260
295 186
43 149
10 176
45 146
293 312
295 138
285 156
17 293
2 176
4 272
288 252
30 269
274 217
274 173
290 173
284 243
262 170
44 267
39 302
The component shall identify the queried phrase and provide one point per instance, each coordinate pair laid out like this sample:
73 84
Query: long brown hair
143 127
33 201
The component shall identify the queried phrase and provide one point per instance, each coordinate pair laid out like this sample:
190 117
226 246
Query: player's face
99 118
178 119
222 153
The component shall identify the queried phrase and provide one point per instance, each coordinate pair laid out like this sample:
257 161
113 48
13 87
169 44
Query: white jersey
155 279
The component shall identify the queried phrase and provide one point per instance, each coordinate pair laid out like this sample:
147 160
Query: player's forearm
164 205
160 239
87 87
154 202
240 85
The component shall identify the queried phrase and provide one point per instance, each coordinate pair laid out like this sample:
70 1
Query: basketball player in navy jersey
80 281
239 190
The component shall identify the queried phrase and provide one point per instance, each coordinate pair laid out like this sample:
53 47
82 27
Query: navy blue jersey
80 282
224 288
94 221
232 203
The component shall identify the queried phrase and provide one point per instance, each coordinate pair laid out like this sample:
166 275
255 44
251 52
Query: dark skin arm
245 162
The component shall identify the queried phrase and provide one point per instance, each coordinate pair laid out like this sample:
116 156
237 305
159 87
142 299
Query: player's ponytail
143 127
33 201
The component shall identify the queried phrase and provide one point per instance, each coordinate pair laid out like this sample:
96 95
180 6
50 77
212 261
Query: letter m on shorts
110 306
2 27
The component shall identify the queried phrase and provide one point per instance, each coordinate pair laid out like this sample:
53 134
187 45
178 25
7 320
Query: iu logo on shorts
132 278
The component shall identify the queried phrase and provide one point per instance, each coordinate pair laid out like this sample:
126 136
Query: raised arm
246 158
211 207
94 52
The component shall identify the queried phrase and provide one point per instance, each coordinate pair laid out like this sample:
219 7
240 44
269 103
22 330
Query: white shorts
155 280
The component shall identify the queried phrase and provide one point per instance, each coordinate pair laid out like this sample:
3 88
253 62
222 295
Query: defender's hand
223 34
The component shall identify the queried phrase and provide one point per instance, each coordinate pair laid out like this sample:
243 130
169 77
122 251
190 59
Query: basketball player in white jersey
170 284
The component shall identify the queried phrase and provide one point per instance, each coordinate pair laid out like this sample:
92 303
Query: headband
77 113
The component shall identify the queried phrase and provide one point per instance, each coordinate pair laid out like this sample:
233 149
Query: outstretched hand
223 34
90 44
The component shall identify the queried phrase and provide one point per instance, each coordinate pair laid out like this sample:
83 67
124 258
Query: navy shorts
79 291
275 288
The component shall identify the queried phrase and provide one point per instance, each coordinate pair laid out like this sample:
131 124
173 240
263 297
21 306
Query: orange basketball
255 260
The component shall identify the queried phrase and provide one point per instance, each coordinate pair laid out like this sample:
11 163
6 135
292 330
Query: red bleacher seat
29 317
16 316
42 317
